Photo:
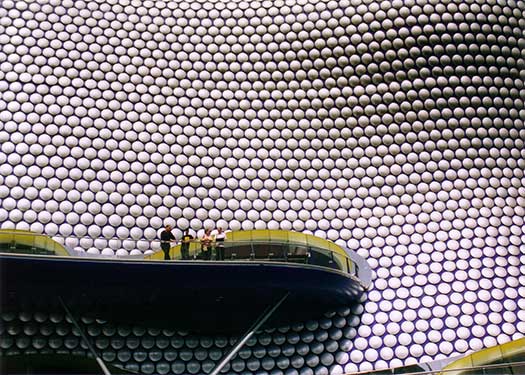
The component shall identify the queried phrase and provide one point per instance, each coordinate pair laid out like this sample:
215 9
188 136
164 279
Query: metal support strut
85 339
258 323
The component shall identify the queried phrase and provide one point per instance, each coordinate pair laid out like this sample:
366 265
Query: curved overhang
319 251
196 295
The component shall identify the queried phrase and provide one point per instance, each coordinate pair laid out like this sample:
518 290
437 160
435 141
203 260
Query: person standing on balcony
166 238
185 245
206 241
220 237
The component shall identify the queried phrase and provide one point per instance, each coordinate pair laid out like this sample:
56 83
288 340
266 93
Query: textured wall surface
395 128
313 347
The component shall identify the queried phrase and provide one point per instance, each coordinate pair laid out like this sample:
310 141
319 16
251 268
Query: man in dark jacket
166 237
185 246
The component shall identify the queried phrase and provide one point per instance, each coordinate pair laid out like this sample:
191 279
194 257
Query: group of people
167 240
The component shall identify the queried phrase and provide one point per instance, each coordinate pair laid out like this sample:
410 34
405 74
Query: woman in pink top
206 241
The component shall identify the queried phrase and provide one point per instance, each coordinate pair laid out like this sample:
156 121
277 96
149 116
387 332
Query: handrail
494 354
34 241
60 238
270 250
276 250
64 237
445 371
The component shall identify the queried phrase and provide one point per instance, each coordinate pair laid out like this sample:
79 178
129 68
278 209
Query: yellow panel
39 241
333 247
175 252
243 235
259 235
279 235
6 237
29 238
457 365
298 237
486 356
158 255
195 248
317 242
513 348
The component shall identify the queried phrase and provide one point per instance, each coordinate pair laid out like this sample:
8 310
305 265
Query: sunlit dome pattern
395 128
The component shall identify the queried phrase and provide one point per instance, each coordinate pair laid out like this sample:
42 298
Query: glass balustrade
272 250
23 242
268 246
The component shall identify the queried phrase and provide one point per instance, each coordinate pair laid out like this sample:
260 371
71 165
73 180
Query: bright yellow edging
486 356
283 235
40 241
35 240
266 236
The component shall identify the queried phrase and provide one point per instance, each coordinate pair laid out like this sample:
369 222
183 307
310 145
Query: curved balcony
274 246
16 241
201 293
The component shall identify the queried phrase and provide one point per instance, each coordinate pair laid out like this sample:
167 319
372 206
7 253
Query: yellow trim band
486 356
256 235
35 240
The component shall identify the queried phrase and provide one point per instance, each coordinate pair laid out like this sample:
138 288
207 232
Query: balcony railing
508 368
24 242
261 250
278 246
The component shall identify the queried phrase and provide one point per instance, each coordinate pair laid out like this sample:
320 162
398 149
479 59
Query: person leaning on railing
220 237
206 241
185 245
166 238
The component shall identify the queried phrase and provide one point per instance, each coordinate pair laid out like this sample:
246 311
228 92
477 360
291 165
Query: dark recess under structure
195 295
